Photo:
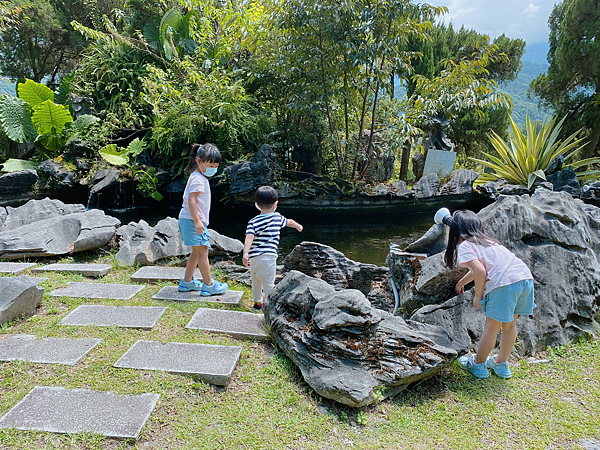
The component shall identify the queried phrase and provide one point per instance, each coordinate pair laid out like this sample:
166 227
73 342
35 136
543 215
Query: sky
524 19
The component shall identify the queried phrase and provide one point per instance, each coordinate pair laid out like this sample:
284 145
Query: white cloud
493 17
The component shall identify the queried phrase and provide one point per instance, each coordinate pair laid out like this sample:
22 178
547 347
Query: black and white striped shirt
265 228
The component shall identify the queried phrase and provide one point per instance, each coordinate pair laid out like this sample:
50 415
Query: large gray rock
324 262
20 296
143 244
493 189
57 170
246 177
558 237
347 350
18 182
427 186
35 210
433 241
59 235
461 183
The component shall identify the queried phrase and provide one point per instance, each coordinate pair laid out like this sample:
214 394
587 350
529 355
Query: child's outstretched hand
300 228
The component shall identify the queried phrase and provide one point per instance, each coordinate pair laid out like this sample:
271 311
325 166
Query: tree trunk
405 161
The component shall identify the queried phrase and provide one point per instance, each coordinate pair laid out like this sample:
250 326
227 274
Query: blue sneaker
186 286
477 370
215 288
501 369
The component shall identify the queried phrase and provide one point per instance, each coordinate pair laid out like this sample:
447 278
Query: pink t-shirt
196 183
503 268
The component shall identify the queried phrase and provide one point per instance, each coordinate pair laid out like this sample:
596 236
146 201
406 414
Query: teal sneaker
501 369
186 286
215 288
477 370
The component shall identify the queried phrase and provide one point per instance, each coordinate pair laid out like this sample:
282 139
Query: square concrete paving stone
171 293
240 325
153 274
26 347
87 270
211 363
107 316
59 410
11 267
98 290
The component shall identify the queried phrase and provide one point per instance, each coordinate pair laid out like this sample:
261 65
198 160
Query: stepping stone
240 325
171 293
153 274
87 270
98 290
26 347
121 316
211 363
60 410
11 267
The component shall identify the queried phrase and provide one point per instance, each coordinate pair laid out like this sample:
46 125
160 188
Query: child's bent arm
247 244
193 204
479 276
460 286
293 224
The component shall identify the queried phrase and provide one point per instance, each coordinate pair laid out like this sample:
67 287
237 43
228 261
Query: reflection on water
362 239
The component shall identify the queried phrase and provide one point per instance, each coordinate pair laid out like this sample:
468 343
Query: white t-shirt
196 183
503 268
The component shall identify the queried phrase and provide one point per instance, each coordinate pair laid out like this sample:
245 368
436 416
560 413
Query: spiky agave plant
523 159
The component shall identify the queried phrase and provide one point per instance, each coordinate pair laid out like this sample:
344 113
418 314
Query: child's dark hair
466 225
265 196
206 153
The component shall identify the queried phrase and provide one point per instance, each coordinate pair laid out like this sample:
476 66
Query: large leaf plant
33 116
523 159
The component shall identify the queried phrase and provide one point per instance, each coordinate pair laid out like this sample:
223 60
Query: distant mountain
517 90
536 53
7 86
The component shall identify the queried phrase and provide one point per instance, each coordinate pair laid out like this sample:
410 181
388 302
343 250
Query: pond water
363 239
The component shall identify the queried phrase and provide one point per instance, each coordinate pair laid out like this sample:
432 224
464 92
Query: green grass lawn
267 405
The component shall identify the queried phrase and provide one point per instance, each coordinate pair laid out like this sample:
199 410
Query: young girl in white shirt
503 290
193 219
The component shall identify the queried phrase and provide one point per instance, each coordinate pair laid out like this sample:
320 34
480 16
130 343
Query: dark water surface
363 239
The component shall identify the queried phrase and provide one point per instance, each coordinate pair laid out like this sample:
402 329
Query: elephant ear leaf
114 156
135 147
152 32
17 165
35 93
15 118
49 118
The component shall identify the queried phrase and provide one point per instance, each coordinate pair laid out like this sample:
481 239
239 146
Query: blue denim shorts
187 233
501 304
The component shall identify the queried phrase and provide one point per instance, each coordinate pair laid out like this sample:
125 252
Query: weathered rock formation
330 265
20 296
143 244
558 237
248 176
17 182
68 230
347 350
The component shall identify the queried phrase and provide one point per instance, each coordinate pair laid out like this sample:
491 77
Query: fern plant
525 157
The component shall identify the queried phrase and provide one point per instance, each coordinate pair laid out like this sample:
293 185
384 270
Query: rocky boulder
143 244
65 177
35 210
427 186
330 265
246 177
461 183
558 237
433 241
20 296
59 235
347 350
18 182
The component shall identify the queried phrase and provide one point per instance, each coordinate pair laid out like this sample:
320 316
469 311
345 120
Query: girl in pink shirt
503 290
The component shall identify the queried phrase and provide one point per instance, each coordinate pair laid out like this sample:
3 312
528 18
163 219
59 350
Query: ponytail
206 153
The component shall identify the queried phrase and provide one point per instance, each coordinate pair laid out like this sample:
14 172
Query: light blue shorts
501 304
187 233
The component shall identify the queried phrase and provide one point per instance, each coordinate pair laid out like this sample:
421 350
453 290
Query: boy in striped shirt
262 240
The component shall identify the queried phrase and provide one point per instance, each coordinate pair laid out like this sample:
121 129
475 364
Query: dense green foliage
572 84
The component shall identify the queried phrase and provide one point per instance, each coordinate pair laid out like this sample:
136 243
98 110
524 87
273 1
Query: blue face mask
210 171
